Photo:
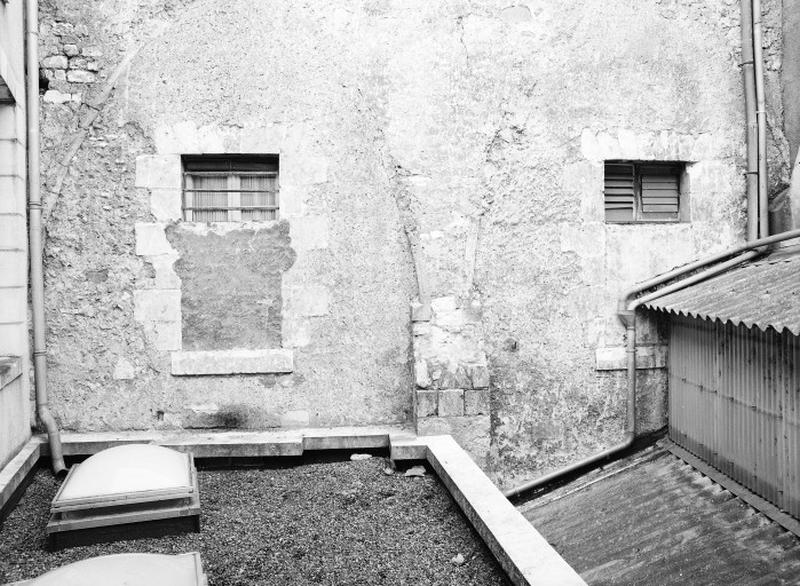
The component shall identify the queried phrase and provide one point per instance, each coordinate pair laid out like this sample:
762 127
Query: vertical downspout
35 237
761 121
751 123
630 355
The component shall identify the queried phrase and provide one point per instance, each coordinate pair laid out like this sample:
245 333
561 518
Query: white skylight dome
125 492
130 473
129 569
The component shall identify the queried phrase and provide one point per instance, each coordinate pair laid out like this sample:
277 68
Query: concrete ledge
232 362
10 370
238 444
413 448
523 553
14 475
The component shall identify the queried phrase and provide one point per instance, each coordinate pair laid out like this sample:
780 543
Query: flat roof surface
340 522
652 519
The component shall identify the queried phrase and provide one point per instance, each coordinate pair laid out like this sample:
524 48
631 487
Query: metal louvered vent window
230 188
642 192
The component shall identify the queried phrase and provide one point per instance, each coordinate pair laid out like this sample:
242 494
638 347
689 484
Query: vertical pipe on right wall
751 124
761 120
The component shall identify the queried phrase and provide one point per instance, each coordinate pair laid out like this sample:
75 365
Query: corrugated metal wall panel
734 400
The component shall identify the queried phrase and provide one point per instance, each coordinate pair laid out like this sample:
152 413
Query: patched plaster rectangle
233 362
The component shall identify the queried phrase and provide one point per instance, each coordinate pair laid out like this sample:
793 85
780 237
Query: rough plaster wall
473 131
665 89
353 363
231 286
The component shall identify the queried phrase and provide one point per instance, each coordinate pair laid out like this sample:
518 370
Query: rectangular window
230 188
642 192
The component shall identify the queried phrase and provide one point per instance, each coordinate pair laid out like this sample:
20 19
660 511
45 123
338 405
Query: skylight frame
60 504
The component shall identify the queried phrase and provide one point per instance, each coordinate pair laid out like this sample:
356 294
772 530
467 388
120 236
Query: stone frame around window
157 305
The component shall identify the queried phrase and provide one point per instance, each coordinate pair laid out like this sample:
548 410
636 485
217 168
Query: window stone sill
10 370
267 361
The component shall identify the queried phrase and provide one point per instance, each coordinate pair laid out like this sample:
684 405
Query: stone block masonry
451 376
69 62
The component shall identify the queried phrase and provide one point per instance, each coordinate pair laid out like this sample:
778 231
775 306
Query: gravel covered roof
352 522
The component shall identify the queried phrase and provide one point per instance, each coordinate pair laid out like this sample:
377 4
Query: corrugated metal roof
653 519
763 293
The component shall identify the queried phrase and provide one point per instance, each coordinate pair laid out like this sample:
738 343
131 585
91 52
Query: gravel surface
318 523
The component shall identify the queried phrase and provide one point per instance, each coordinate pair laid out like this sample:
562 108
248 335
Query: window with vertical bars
232 188
642 192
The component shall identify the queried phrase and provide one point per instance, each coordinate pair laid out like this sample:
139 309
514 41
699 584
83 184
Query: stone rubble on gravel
415 471
358 457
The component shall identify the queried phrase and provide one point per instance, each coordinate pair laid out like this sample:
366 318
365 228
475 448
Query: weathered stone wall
447 151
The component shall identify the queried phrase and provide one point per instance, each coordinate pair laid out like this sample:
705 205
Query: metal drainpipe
35 236
761 119
628 304
751 122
